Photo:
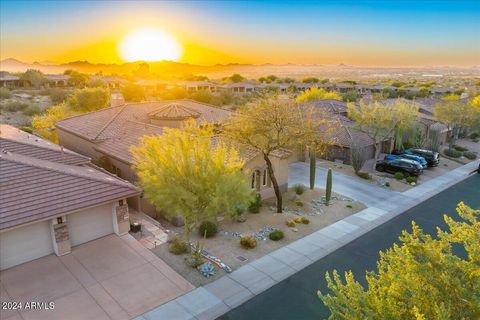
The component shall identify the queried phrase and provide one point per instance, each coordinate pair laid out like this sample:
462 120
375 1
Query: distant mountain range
166 69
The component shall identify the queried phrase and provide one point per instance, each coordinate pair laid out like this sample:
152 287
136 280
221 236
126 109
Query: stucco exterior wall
77 144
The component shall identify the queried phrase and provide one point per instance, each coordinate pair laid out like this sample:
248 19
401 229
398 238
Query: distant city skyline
363 33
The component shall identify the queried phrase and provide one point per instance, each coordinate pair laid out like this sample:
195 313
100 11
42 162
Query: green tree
191 173
133 92
269 126
34 77
315 93
310 80
88 99
380 122
456 115
350 96
77 79
236 78
419 279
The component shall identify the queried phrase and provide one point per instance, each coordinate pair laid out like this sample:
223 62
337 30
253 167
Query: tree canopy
315 93
133 92
380 121
35 77
422 278
456 114
270 125
88 99
190 172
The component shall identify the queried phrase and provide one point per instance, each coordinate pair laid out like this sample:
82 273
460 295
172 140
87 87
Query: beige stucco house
106 136
52 199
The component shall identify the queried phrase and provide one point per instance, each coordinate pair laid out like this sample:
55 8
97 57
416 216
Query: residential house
53 199
56 80
106 135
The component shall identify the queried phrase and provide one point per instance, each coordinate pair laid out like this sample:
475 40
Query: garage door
90 224
25 244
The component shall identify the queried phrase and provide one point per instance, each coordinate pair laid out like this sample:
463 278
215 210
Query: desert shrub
5 93
14 106
299 203
177 245
305 220
364 175
276 235
26 129
290 223
475 140
195 258
32 110
387 184
248 242
398 175
474 135
57 95
298 220
133 92
453 153
349 206
299 188
256 204
411 179
470 155
208 229
459 148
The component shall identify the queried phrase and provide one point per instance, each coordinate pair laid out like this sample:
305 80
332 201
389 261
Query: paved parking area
109 278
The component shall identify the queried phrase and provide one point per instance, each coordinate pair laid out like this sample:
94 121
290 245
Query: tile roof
174 111
104 124
119 146
21 142
33 189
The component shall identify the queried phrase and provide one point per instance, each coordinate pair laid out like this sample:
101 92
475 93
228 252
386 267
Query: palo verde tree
270 125
422 278
380 121
315 93
456 115
190 172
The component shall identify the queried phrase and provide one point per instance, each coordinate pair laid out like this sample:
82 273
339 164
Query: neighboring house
53 199
239 87
57 80
193 86
106 135
9 81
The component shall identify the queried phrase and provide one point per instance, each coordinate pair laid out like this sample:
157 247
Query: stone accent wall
122 213
61 232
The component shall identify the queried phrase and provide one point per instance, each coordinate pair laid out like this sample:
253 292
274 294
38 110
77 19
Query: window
253 179
59 220
264 181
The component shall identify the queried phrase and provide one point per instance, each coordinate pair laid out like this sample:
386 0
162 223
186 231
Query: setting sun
150 44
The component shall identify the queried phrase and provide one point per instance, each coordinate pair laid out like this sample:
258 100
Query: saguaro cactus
328 191
312 168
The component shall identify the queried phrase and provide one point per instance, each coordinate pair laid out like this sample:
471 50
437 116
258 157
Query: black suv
432 157
411 167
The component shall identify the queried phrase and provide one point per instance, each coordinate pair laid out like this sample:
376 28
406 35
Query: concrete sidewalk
230 291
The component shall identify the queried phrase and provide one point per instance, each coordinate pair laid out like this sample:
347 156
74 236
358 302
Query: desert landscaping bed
226 244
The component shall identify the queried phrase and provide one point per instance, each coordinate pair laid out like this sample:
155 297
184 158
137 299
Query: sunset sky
375 33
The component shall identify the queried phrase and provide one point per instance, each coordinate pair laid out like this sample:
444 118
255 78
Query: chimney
116 99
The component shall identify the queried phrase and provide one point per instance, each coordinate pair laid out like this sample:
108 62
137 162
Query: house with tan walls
53 199
106 136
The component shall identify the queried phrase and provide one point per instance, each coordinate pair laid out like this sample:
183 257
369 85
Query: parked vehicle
411 167
420 160
432 157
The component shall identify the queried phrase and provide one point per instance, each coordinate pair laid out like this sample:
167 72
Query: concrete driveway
109 278
369 194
